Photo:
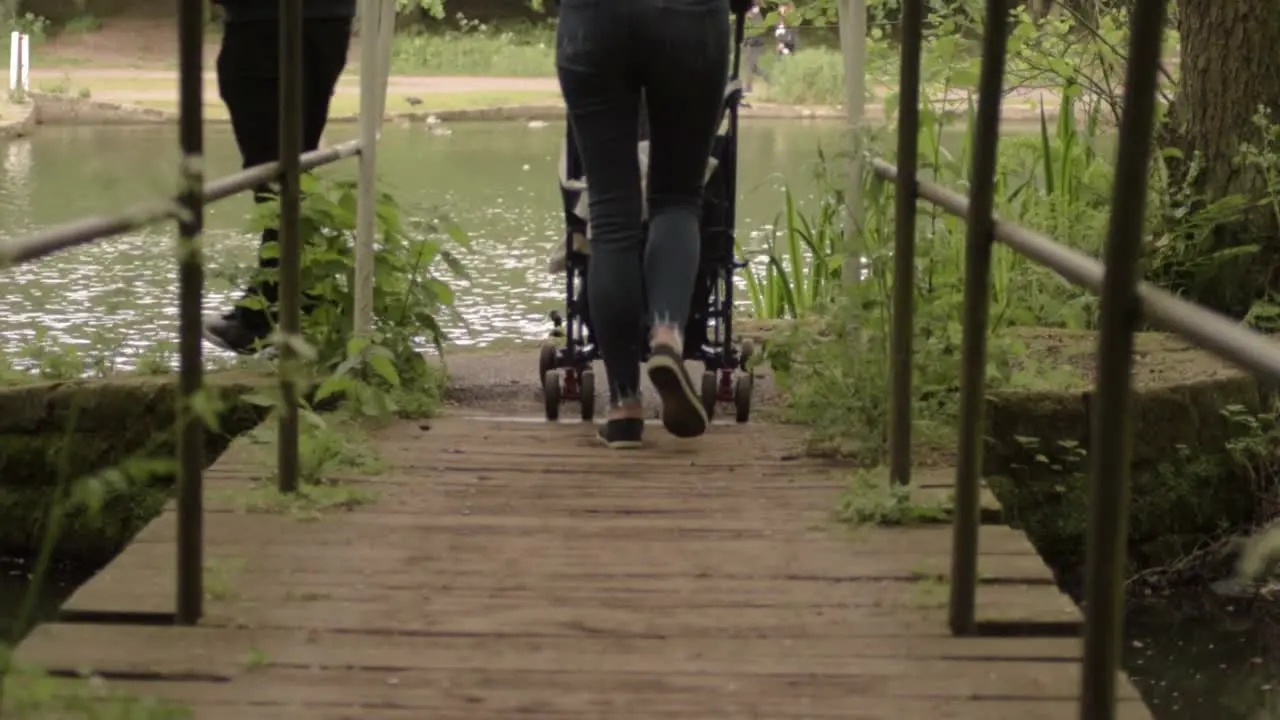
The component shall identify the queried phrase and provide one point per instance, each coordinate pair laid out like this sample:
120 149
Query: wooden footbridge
510 569
517 569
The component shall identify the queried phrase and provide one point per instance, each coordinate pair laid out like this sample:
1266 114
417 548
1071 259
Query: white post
853 44
26 62
367 198
15 59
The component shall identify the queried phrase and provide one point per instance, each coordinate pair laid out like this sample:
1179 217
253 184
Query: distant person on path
753 49
249 81
785 36
675 52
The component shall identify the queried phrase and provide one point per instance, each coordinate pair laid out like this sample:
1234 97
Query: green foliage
436 8
373 375
33 695
798 271
327 447
475 48
870 499
386 371
835 367
82 25
1187 254
811 76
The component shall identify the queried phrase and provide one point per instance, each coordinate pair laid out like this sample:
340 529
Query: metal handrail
83 231
1125 298
377 17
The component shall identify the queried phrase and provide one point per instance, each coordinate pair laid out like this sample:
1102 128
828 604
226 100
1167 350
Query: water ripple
120 295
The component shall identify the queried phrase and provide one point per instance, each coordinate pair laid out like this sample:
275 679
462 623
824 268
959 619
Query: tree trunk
1230 67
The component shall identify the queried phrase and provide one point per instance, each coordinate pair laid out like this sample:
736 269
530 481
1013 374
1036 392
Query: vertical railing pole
853 44
290 240
1112 432
190 589
386 34
904 245
986 132
366 208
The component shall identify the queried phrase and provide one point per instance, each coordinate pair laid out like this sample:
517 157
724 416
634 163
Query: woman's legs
604 105
684 88
678 52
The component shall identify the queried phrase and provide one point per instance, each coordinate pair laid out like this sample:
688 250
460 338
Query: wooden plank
699 694
713 534
517 569
178 651
211 704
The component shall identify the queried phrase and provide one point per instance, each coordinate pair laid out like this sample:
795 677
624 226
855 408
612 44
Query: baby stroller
565 362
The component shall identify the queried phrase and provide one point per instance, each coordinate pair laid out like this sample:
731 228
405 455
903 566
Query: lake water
497 180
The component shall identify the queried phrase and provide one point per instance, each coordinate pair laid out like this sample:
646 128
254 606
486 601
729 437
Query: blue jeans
607 53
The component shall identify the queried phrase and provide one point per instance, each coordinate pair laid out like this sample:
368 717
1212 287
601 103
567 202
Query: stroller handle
739 33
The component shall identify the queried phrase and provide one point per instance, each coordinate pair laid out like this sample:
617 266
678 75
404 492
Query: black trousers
249 83
609 55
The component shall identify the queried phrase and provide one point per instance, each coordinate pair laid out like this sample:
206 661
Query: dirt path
349 84
506 381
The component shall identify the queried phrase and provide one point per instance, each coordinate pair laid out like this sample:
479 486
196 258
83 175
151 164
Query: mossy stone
55 432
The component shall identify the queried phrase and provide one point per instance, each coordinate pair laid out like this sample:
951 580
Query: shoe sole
215 340
620 444
682 411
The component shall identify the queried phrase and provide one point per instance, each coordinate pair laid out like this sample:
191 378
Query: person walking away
675 52
249 82
785 36
753 50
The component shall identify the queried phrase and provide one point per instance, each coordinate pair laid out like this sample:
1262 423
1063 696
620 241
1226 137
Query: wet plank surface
514 569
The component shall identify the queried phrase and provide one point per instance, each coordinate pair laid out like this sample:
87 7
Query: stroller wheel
551 394
710 393
742 397
546 361
587 394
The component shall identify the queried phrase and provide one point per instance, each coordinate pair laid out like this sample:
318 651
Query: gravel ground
506 381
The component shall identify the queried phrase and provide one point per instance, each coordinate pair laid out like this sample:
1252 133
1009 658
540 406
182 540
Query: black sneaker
622 434
236 333
682 411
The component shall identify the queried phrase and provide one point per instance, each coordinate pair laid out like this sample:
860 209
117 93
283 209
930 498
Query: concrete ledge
51 109
16 119
1187 483
54 434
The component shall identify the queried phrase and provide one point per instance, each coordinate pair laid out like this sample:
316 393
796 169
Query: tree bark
1230 67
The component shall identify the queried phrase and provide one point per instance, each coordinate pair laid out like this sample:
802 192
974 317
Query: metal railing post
290 240
190 430
904 245
1111 443
386 34
366 208
853 43
377 23
977 292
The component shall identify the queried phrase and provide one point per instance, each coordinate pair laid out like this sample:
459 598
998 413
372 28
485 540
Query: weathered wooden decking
514 569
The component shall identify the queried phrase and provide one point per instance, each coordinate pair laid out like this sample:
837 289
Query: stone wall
53 435
1186 483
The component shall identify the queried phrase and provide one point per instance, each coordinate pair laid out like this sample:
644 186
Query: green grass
525 52
809 77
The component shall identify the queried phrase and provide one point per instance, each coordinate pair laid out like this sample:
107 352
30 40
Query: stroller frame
565 370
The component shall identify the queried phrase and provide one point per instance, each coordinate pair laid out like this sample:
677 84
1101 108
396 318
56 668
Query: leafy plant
870 499
799 270
386 371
